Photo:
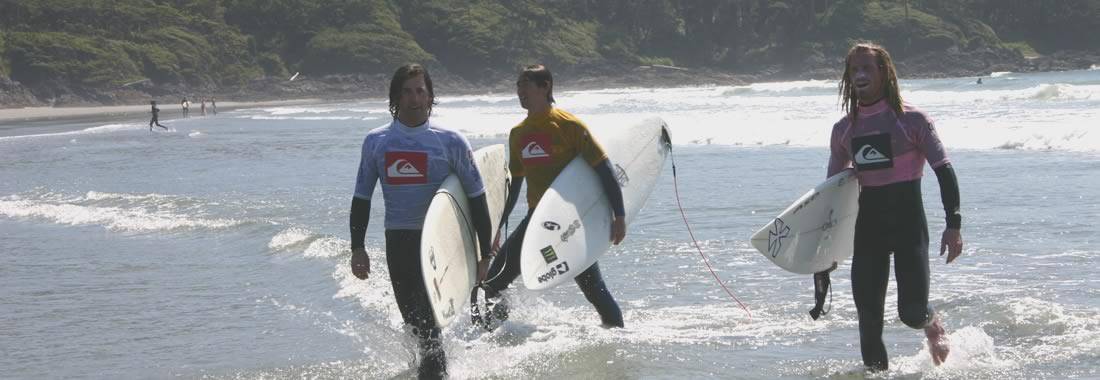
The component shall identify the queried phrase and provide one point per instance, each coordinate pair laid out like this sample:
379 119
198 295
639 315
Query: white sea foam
310 244
1035 112
113 218
264 117
120 212
102 129
327 246
290 237
789 88
972 351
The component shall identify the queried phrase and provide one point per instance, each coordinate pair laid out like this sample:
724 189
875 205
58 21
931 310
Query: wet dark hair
541 76
403 74
890 90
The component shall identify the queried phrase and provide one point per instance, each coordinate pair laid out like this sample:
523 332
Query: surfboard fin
822 285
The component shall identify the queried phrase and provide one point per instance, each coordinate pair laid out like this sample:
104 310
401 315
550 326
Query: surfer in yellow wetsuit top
887 142
539 148
411 156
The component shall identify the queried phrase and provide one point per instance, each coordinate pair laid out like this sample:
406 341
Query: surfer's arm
951 242
360 217
949 194
837 165
615 197
839 159
611 187
365 181
479 211
513 195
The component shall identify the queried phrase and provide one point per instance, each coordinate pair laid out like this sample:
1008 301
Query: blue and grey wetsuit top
412 162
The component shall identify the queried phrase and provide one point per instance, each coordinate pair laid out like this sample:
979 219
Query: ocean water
218 249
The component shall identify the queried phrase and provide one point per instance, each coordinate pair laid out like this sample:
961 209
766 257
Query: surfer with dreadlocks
887 142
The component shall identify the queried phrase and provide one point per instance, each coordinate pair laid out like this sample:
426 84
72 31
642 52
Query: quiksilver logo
533 150
402 168
869 155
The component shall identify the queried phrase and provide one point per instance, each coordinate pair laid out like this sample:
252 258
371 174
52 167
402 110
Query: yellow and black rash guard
541 145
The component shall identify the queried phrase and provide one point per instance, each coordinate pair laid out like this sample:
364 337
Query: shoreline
652 77
25 115
92 102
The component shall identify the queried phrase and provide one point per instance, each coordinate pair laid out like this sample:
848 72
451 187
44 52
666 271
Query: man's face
867 77
530 94
415 102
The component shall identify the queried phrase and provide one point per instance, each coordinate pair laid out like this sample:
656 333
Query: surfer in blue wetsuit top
540 147
887 142
411 157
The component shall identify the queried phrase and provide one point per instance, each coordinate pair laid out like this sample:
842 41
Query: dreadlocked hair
849 103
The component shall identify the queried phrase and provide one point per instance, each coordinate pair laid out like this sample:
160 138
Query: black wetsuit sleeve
611 187
360 217
513 196
949 192
479 212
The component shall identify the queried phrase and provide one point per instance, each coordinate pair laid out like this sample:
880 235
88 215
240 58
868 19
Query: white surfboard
817 230
448 244
571 226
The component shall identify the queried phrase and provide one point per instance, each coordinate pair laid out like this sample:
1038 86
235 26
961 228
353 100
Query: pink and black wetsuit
888 153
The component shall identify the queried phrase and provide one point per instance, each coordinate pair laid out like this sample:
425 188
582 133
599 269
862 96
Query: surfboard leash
469 221
484 313
676 189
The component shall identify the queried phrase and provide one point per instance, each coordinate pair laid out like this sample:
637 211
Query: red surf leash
676 188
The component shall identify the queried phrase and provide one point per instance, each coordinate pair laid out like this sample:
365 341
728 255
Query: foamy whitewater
218 249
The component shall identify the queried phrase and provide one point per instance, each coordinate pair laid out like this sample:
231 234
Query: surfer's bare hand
618 229
360 263
952 243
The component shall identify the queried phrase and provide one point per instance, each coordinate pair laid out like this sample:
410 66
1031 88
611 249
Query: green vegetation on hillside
101 44
4 70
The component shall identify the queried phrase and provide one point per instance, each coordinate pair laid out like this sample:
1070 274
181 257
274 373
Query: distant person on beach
186 105
540 147
202 106
979 80
156 116
412 156
887 142
214 106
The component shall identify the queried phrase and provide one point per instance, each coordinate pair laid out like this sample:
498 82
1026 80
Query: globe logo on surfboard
775 236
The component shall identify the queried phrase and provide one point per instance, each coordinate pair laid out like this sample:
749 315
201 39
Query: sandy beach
36 114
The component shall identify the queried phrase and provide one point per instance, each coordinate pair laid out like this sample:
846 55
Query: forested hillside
119 50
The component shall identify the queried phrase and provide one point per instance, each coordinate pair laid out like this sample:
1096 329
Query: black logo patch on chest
872 152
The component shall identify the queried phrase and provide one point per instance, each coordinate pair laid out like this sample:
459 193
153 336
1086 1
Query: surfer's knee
915 315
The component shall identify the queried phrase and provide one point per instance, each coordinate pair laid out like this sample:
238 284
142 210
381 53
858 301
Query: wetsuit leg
595 291
911 269
870 273
507 262
403 260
